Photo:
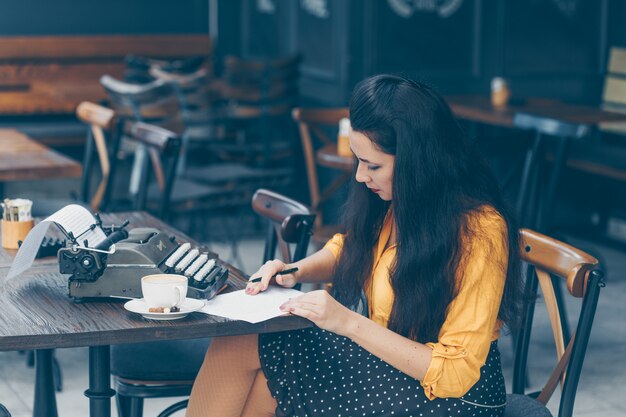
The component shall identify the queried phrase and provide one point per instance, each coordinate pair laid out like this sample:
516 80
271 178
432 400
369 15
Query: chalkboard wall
87 17
552 48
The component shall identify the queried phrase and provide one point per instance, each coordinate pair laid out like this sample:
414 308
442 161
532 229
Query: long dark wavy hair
439 179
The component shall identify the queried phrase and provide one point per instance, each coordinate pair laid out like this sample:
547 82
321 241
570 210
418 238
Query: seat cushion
518 405
175 360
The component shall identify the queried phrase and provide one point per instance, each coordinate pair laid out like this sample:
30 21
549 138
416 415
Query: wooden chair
545 257
314 125
100 143
168 369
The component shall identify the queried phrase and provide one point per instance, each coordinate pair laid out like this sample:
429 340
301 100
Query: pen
285 272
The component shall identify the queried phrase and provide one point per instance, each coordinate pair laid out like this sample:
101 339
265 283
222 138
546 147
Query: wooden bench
44 78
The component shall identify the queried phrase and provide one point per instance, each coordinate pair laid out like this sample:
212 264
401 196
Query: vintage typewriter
114 267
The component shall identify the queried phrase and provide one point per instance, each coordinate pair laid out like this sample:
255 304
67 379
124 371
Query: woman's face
375 168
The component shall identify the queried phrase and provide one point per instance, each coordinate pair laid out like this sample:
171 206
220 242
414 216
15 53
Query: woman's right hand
267 272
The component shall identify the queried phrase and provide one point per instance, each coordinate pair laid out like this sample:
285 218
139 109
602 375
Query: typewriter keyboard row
201 271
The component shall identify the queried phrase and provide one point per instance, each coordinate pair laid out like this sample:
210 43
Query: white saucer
139 306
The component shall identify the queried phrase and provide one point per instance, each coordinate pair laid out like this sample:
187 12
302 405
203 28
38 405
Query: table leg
99 392
45 400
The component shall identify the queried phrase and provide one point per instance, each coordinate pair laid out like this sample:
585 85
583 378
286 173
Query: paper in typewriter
238 305
72 218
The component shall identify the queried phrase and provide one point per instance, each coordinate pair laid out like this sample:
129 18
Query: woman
429 242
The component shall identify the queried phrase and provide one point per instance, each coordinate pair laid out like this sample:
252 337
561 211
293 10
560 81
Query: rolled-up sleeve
467 333
335 245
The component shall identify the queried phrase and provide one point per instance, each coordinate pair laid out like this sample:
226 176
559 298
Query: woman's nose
361 176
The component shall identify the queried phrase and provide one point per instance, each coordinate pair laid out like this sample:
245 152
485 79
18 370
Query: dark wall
68 17
549 48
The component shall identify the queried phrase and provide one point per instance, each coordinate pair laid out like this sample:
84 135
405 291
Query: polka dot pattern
312 372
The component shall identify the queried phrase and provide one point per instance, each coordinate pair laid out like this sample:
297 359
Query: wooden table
478 108
327 156
37 314
22 158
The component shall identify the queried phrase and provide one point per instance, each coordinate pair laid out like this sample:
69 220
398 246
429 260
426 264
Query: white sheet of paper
72 218
238 305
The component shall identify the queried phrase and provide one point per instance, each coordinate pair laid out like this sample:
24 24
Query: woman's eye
373 167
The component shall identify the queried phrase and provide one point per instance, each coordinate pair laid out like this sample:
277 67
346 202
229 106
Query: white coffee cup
164 290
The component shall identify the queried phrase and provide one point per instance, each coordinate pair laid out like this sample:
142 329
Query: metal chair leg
123 405
136 407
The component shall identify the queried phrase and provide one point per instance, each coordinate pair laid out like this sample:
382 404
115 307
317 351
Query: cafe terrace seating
167 369
548 257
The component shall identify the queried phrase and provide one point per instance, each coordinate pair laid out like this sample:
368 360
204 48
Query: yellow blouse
471 322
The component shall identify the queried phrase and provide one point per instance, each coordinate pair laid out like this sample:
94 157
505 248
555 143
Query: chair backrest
550 127
259 95
545 129
198 92
154 102
314 125
290 222
545 257
101 137
138 67
614 91
163 149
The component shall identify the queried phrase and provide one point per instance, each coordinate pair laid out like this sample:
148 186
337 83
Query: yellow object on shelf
14 231
343 140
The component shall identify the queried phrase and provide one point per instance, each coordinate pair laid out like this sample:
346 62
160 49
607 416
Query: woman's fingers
306 310
266 272
288 280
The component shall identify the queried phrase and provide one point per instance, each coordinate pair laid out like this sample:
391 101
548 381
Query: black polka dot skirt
312 372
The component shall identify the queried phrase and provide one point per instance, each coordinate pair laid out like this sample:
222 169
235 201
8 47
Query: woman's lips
374 190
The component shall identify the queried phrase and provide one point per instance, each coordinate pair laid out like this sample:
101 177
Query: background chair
138 68
99 145
534 205
167 194
547 256
317 127
258 96
168 369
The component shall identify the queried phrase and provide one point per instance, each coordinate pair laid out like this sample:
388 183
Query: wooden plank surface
14 48
38 314
22 158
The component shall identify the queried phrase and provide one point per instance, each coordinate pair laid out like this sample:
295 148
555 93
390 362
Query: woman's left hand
322 309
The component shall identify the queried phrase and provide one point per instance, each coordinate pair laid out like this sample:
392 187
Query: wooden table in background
22 158
38 314
478 108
